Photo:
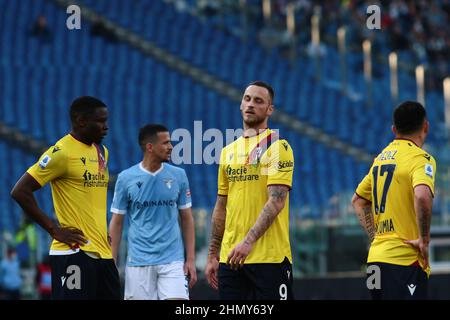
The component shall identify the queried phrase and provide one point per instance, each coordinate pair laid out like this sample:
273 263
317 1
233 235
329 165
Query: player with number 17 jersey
389 185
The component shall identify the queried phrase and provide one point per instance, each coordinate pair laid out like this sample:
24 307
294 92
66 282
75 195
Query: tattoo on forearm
217 227
216 237
263 223
424 223
251 237
278 193
368 222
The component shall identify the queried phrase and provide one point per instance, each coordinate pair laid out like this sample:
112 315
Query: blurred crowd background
336 82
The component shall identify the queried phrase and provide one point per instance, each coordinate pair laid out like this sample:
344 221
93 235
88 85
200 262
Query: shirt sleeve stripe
280 184
186 206
362 196
425 184
117 211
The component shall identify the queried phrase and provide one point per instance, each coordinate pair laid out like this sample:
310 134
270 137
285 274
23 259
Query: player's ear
270 109
76 120
426 126
394 129
79 122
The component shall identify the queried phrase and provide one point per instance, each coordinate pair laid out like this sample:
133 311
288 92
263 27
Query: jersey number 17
385 168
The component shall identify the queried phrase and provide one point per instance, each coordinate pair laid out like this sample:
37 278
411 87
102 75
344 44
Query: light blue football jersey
151 202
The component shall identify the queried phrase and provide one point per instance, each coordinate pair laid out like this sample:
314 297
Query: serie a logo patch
429 170
44 162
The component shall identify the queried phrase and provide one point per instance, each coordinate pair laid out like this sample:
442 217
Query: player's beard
254 122
99 140
166 159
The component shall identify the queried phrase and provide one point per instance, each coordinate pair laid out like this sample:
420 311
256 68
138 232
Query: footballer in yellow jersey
395 205
239 177
79 178
249 253
76 167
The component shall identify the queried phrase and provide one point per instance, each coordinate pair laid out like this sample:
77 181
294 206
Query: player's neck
253 131
151 164
418 140
80 138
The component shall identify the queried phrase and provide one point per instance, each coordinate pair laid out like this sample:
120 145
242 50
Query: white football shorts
159 282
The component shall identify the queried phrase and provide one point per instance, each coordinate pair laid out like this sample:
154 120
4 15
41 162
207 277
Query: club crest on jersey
168 183
44 162
259 152
255 157
429 170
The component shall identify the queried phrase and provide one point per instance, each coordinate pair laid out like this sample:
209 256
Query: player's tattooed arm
423 204
424 223
363 209
368 222
217 226
274 205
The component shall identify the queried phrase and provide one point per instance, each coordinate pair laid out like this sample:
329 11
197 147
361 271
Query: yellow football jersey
389 185
247 167
79 177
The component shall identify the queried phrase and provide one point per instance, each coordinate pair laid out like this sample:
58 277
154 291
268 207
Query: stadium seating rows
238 63
38 82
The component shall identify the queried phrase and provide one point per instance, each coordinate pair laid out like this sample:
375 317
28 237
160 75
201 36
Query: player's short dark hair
409 117
85 105
149 133
264 85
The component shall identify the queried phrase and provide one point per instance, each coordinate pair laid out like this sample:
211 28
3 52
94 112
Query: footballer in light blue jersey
151 202
154 197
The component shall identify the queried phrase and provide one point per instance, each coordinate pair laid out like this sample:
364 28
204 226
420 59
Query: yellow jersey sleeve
424 171
280 163
364 189
222 179
51 165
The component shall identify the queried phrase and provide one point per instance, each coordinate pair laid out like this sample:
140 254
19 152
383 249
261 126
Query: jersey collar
406 139
149 172
260 133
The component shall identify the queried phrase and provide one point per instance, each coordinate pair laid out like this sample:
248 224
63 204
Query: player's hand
71 236
423 248
211 272
190 272
237 256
